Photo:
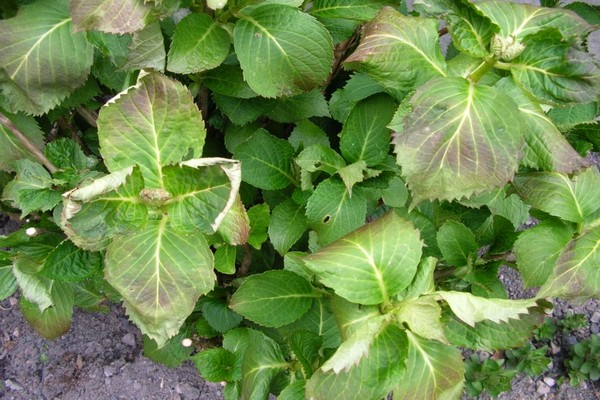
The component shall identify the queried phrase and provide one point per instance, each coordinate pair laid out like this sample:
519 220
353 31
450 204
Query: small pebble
542 388
555 348
595 317
137 386
109 371
129 339
549 381
12 385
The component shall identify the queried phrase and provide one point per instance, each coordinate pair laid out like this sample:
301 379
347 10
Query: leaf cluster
313 194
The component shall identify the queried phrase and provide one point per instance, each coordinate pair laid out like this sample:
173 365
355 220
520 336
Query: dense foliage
312 191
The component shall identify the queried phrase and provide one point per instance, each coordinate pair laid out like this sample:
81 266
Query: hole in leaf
326 219
318 164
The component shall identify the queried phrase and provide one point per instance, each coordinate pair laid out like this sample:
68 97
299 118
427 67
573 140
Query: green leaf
574 199
201 192
382 369
32 188
332 213
433 371
112 16
568 117
356 173
288 223
225 259
357 345
219 315
491 336
32 77
172 353
457 243
114 47
297 108
423 317
69 263
396 194
54 321
8 282
318 320
147 49
160 273
274 61
318 157
306 134
294 391
363 10
285 291
266 161
455 142
259 216
306 346
521 20
138 127
11 149
510 207
538 248
228 80
575 274
472 309
399 52
108 206
551 70
235 227
371 264
65 153
263 362
365 136
358 87
240 110
34 287
215 365
199 44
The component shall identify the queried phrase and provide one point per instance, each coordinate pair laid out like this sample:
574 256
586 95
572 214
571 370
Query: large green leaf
521 20
460 139
140 125
371 264
381 370
358 87
333 213
11 148
32 77
545 146
510 207
538 248
108 206
551 70
263 362
160 273
215 365
54 321
31 190
198 44
282 50
285 291
576 274
112 16
433 371
399 52
365 136
574 199
363 10
68 262
318 320
266 161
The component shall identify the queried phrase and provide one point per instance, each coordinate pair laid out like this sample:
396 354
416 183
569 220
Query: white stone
187 342
549 381
31 231
542 388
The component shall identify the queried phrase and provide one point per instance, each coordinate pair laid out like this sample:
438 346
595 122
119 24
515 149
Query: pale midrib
36 44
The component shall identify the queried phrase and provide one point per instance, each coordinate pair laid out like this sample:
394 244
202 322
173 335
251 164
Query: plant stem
89 116
482 69
27 144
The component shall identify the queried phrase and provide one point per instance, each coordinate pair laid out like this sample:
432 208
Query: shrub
226 170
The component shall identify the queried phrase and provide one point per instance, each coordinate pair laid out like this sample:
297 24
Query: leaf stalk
482 69
27 144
